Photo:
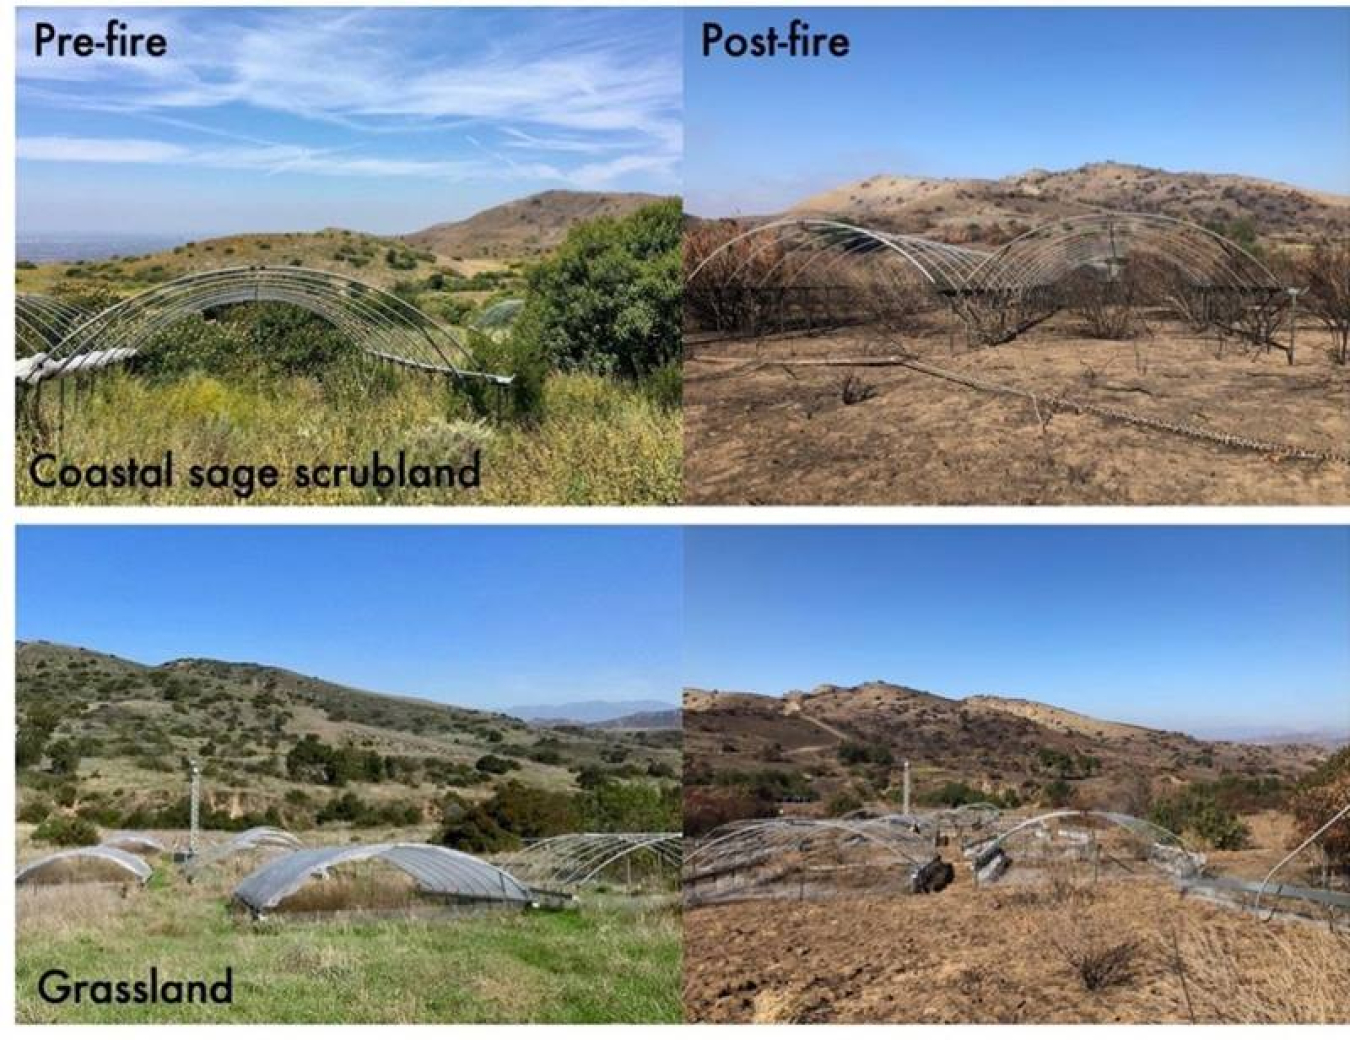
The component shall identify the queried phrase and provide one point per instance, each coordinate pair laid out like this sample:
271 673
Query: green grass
606 962
600 441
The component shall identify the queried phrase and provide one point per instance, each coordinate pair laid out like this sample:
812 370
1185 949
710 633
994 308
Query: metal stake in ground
194 806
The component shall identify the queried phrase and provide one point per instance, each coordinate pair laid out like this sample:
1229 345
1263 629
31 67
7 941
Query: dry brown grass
1297 974
361 886
1119 951
54 911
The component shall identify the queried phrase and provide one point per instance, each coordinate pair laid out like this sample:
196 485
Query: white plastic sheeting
135 841
127 861
35 369
437 871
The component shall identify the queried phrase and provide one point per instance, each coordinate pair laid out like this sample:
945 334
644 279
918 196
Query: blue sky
384 120
479 616
985 93
1204 629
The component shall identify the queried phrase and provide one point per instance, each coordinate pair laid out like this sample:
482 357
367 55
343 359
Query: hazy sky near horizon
1202 629
979 92
378 119
488 617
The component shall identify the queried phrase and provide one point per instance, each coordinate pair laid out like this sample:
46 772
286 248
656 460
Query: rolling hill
132 727
482 250
524 227
854 739
990 212
368 258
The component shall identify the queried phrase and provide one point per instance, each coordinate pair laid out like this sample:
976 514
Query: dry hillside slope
992 743
135 725
366 258
992 211
524 227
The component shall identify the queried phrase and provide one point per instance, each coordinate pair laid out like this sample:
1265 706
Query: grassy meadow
598 441
607 961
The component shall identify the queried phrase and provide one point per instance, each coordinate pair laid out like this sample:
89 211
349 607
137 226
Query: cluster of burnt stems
752 285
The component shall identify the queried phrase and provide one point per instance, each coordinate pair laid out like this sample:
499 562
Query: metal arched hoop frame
971 812
942 265
572 860
377 322
40 322
126 861
1168 852
1265 882
251 840
999 293
789 831
1048 252
1130 823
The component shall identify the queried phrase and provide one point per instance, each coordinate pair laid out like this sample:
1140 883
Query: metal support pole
905 801
1293 319
194 807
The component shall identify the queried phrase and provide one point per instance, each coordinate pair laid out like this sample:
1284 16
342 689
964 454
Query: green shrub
664 386
1057 794
608 301
66 831
495 765
852 753
842 804
472 828
1196 811
520 359
614 805
34 810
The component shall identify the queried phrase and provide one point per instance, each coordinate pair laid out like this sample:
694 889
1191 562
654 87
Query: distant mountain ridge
590 713
992 211
1329 738
672 719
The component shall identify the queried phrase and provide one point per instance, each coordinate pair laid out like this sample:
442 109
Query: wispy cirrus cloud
525 99
276 159
271 159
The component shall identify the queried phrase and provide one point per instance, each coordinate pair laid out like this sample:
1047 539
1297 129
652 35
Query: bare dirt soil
760 432
1010 954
